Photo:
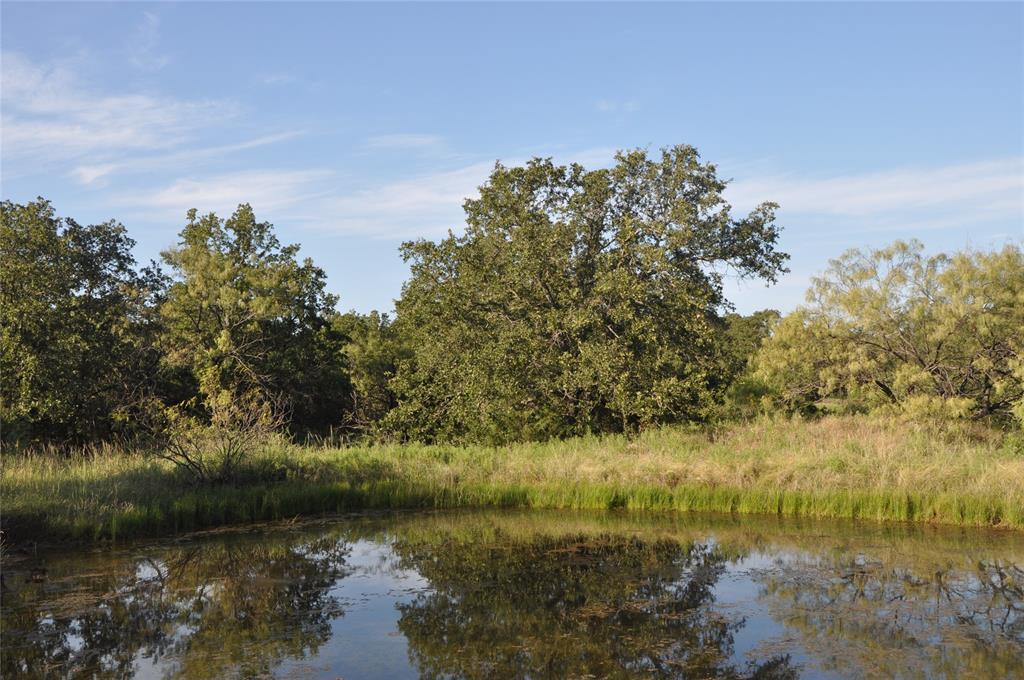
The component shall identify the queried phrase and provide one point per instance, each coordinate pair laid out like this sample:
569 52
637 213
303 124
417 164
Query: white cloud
142 47
279 78
928 197
266 190
425 206
617 105
96 173
92 174
49 116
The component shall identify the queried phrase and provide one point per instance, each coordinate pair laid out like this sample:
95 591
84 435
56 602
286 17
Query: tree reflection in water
531 594
571 606
212 610
860 613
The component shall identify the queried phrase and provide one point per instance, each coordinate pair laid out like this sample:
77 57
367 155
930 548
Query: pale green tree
899 329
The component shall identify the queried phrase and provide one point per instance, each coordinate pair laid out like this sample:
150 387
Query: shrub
239 429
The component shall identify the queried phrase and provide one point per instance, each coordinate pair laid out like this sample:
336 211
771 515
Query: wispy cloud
933 197
405 142
49 116
278 78
286 79
427 205
97 173
266 190
617 105
143 44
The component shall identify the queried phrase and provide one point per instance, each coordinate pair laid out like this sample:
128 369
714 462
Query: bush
239 430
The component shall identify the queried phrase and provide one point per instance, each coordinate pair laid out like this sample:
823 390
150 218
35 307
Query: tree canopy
68 300
245 316
576 301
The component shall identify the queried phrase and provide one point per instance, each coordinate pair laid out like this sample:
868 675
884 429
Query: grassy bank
860 467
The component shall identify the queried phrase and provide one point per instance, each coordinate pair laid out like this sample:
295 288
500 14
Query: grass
846 467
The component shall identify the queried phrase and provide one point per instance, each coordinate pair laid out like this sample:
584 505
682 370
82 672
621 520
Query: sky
354 127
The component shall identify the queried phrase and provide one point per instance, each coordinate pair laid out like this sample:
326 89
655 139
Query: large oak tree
576 301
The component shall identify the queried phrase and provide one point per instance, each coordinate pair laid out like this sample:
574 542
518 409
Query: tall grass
851 467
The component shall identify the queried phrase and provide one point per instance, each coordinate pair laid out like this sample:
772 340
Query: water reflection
570 606
903 621
526 595
208 610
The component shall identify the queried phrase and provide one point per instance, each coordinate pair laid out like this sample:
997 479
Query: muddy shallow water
525 594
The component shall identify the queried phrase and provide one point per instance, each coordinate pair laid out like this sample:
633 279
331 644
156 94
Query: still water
525 595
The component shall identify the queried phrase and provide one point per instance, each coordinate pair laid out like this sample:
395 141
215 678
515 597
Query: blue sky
353 127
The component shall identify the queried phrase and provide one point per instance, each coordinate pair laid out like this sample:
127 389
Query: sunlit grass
862 467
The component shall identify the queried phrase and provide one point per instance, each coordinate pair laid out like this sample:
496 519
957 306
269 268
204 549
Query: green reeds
856 467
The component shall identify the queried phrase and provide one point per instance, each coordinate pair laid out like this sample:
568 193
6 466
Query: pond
525 595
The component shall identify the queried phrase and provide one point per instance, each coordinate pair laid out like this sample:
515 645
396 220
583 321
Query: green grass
850 467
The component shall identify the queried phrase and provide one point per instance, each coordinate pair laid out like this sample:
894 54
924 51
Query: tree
247 318
742 338
898 329
373 351
72 306
576 301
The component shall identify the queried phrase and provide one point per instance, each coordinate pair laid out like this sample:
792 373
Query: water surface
525 595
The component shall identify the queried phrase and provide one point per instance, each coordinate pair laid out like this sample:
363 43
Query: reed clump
865 467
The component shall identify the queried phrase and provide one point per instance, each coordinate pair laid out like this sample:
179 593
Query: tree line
574 302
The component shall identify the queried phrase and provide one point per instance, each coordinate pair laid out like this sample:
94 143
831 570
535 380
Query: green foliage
69 324
932 336
238 431
372 352
575 302
245 317
742 338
